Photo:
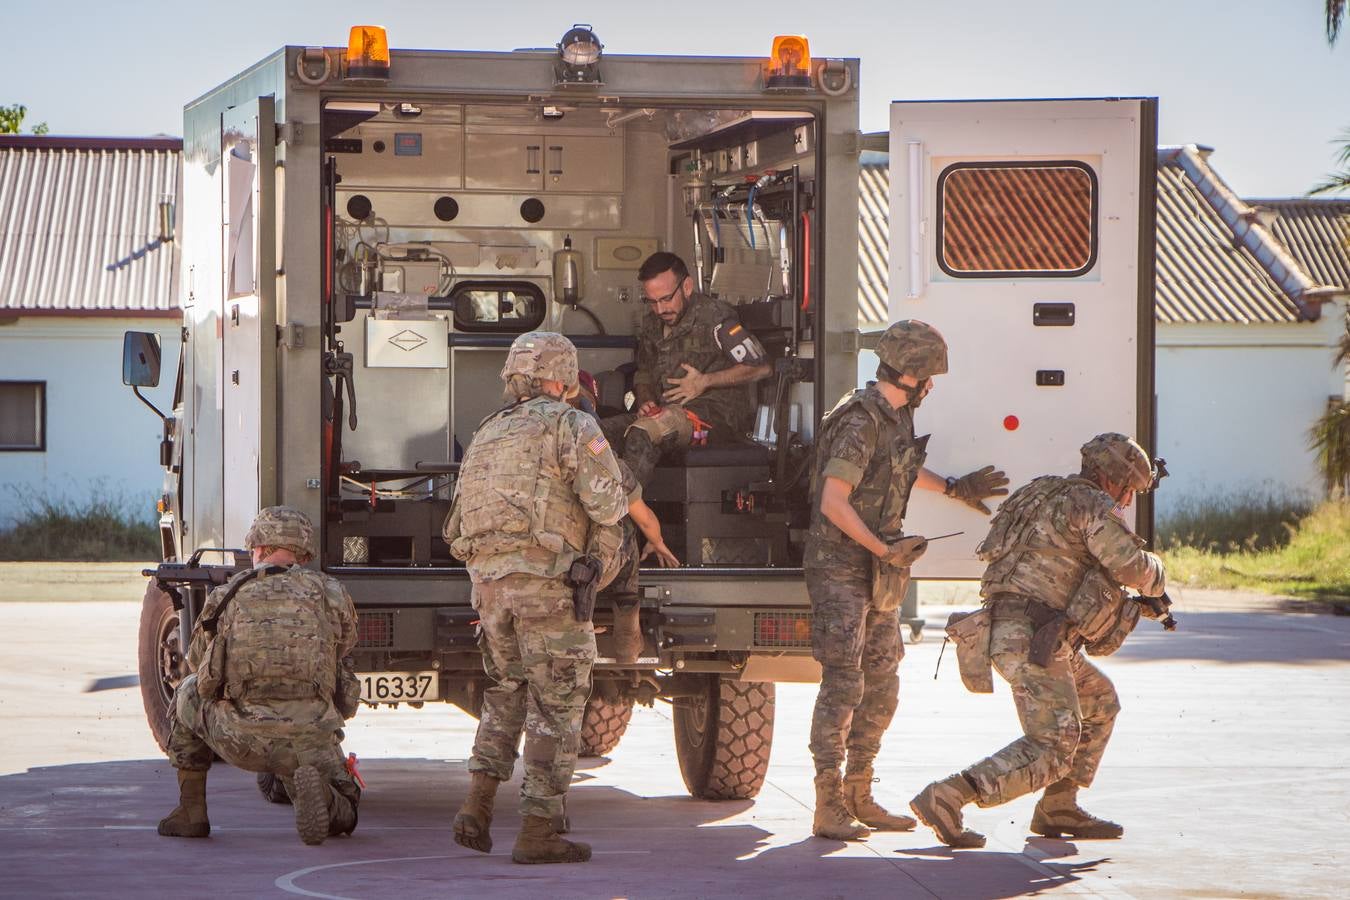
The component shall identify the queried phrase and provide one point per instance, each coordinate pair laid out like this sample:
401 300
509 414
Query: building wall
1234 406
100 440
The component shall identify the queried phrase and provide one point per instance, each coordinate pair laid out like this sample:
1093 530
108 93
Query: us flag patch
598 445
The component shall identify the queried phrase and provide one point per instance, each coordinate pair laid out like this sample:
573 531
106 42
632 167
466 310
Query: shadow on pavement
1241 638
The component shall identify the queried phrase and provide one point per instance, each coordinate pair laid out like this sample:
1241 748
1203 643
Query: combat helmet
542 354
282 526
913 348
1119 458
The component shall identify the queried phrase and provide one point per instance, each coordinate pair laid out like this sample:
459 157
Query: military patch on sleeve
739 344
598 445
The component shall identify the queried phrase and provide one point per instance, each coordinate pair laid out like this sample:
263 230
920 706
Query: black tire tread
603 725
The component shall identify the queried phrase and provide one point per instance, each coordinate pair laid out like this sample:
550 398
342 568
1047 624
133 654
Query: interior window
1017 219
510 306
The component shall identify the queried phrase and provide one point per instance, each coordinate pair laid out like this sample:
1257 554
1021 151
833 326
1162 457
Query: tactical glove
974 488
905 552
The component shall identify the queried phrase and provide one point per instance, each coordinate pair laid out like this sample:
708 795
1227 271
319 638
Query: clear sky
1255 79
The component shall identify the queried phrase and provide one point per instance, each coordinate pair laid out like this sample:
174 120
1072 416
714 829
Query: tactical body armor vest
278 642
511 495
691 340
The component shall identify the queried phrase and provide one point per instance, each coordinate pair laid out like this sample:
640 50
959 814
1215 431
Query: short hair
660 262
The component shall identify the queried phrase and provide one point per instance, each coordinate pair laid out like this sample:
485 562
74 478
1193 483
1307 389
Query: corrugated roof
874 240
79 223
1317 232
1208 269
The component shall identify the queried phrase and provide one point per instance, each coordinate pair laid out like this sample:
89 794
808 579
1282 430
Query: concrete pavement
1227 768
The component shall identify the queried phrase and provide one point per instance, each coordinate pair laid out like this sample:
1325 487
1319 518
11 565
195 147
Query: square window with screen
997 220
23 415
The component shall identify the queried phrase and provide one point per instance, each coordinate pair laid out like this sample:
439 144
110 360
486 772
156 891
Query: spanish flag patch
598 445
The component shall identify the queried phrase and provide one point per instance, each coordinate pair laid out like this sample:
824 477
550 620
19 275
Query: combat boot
1059 815
833 820
312 798
538 842
475 816
627 630
860 803
939 807
342 814
188 818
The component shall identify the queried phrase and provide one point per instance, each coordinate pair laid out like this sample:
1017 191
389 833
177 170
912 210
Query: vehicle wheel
161 662
272 789
723 737
916 633
604 724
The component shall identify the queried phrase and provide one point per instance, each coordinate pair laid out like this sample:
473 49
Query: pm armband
742 346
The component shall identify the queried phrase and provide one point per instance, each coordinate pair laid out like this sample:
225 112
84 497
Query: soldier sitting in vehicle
695 367
266 653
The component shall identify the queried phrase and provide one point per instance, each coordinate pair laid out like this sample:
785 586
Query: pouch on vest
347 694
211 673
971 633
1127 616
1094 606
889 584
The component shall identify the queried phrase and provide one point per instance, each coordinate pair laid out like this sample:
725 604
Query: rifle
1160 606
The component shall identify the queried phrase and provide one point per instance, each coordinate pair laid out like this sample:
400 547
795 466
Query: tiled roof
1317 232
79 224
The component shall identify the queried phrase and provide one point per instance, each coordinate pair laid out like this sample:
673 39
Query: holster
583 577
1050 625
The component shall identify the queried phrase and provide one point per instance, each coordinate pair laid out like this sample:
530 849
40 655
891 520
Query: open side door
247 329
1024 231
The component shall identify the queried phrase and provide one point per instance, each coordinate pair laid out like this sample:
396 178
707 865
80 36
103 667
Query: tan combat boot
939 807
475 817
313 801
342 815
538 842
1058 815
860 803
833 820
188 818
627 634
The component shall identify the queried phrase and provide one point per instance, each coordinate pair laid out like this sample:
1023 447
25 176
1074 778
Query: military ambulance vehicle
362 233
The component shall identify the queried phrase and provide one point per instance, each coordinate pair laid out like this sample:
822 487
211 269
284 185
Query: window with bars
23 415
1003 219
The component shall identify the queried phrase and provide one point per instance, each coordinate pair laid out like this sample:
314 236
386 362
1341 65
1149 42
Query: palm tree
1336 10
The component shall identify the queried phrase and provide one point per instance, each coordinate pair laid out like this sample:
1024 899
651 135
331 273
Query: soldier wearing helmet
269 689
538 501
857 562
1058 553
696 365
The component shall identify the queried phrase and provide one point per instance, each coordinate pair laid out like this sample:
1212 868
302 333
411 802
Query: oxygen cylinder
567 286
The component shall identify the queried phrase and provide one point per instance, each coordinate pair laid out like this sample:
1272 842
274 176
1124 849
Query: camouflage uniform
855 632
539 485
1044 540
275 726
710 338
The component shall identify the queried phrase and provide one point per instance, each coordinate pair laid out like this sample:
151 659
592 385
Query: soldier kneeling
266 653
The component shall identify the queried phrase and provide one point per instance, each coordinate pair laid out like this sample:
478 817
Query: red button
1011 422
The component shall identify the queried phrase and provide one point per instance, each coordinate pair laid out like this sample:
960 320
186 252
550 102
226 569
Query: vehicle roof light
789 62
579 54
368 54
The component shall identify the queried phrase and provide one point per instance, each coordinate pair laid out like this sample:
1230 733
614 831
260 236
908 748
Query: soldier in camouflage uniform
266 655
857 567
1058 552
694 357
538 489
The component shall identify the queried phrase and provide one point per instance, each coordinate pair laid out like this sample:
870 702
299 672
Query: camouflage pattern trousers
1067 712
539 659
642 454
859 650
200 728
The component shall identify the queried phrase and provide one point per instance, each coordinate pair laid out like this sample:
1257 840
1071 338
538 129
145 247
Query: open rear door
1023 230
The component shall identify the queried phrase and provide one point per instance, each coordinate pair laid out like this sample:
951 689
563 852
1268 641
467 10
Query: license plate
396 687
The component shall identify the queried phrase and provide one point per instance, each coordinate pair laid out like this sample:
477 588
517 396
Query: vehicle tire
603 725
160 660
723 737
272 789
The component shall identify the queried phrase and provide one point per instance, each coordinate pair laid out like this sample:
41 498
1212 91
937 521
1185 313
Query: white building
1250 307
80 263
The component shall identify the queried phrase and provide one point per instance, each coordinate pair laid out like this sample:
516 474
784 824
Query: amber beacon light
789 62
368 54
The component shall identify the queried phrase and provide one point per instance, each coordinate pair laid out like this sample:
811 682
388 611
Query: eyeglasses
656 301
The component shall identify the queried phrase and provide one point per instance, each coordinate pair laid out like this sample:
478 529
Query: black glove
974 488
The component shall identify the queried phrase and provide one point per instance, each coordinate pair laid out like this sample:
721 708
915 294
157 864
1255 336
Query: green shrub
106 526
1250 521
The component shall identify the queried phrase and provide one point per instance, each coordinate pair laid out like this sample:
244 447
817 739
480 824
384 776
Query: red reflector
1011 422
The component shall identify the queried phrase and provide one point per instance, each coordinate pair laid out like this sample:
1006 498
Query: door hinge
292 133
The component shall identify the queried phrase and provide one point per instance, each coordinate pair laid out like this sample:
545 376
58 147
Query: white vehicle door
1024 231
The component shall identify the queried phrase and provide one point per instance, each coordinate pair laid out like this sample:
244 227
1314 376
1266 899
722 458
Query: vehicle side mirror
140 359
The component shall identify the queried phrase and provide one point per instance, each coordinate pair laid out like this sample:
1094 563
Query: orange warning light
789 62
368 53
